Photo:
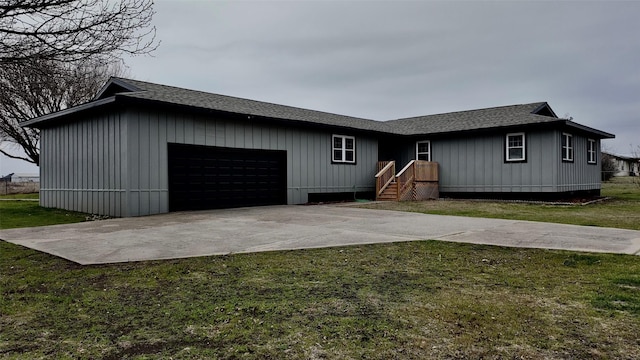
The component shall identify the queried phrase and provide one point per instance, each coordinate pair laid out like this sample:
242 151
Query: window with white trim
343 149
567 147
592 153
423 150
515 147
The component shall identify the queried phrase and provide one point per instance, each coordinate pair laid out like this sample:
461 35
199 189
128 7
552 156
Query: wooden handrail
384 169
385 177
406 167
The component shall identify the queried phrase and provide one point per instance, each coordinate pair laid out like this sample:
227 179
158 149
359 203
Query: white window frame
567 147
343 149
592 151
428 152
523 147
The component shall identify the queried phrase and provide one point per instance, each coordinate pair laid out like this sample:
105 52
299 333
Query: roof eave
67 112
601 134
554 123
508 127
123 98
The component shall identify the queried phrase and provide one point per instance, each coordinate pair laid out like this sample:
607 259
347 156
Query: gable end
115 86
544 110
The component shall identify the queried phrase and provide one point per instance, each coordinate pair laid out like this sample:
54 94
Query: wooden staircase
416 181
390 193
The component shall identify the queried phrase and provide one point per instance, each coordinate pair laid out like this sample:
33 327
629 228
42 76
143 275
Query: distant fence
7 188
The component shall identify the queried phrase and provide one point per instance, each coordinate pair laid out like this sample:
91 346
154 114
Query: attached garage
210 177
141 148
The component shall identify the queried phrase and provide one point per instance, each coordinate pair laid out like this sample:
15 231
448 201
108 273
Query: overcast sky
391 59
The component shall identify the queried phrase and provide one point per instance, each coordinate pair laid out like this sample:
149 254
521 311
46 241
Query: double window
423 150
343 149
515 147
592 153
567 147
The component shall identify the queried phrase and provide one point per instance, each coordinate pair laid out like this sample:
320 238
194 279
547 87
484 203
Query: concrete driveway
216 232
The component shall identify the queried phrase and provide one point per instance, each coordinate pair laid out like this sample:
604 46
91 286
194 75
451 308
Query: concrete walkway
215 232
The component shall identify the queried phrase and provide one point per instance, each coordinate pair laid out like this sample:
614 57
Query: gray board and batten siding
84 167
476 164
117 163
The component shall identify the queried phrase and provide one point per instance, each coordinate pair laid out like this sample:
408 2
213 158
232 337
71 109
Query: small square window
344 149
423 150
515 147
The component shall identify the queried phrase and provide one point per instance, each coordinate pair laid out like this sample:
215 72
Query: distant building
22 178
625 166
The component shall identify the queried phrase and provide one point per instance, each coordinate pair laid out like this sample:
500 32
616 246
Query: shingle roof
495 117
450 122
204 100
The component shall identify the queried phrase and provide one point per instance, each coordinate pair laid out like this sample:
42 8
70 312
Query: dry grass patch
412 300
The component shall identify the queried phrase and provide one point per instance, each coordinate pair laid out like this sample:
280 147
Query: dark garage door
207 177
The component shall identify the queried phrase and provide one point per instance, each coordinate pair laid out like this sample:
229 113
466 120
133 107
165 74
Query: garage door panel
205 177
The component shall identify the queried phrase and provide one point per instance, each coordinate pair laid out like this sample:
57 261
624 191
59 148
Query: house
141 148
20 178
624 165
23 177
518 151
19 184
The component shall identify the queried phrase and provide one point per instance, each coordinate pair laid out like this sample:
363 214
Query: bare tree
56 54
71 30
608 166
35 88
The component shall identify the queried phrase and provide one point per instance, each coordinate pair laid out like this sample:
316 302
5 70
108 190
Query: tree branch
39 87
71 30
16 157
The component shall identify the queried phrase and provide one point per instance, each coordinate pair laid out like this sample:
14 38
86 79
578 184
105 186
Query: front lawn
414 300
621 211
20 213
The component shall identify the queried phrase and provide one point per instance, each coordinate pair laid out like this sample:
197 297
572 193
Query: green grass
31 196
622 211
405 300
16 214
627 188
